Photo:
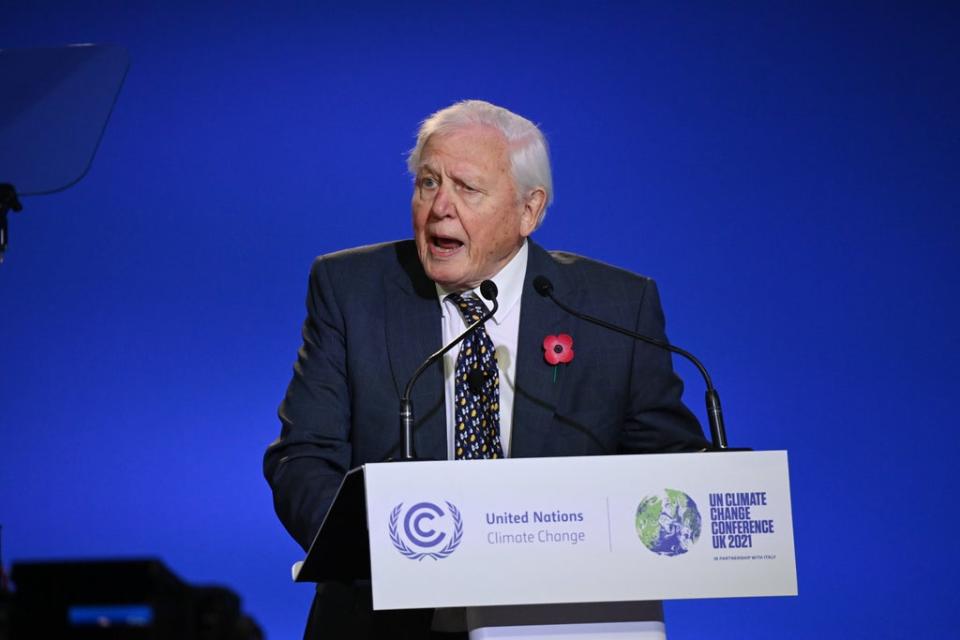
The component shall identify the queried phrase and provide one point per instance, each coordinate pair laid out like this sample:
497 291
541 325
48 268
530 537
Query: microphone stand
8 201
489 291
718 432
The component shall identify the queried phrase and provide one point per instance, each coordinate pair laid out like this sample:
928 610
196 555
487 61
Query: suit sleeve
657 420
306 464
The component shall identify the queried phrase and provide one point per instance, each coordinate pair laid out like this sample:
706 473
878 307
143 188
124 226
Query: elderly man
482 184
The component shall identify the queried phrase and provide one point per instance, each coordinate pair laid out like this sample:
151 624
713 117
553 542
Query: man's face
467 219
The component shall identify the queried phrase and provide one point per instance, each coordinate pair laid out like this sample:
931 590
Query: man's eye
468 188
427 182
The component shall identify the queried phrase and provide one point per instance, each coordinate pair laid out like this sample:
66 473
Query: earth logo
668 524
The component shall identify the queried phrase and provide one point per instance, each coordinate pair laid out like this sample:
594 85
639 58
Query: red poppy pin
557 350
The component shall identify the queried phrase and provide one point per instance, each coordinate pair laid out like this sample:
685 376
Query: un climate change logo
668 524
432 532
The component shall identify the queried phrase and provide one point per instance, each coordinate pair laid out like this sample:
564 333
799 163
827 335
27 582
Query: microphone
718 433
489 291
475 381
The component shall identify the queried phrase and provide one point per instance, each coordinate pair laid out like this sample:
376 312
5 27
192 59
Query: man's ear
532 212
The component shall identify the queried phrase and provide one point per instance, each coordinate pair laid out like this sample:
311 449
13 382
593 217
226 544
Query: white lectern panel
584 529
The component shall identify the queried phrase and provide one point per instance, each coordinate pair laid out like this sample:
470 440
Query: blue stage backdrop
788 172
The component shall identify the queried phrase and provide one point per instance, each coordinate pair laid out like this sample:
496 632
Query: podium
540 531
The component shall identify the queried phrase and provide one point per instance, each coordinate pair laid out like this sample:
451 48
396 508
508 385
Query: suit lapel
412 333
537 393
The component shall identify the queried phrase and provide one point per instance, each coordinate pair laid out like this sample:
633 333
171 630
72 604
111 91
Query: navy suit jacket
373 317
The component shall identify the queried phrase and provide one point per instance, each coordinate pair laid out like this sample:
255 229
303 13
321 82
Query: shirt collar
509 281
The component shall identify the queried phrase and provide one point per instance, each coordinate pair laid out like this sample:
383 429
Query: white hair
529 156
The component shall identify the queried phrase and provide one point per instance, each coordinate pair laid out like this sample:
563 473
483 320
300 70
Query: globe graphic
668 524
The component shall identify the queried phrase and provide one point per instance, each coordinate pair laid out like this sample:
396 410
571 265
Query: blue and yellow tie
477 389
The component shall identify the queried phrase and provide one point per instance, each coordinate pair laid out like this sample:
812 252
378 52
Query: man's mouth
444 245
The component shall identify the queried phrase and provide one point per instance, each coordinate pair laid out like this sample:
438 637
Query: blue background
788 172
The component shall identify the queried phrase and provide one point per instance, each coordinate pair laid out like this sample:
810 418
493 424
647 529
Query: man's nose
443 204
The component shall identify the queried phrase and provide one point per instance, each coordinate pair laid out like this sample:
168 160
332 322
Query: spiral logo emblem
426 530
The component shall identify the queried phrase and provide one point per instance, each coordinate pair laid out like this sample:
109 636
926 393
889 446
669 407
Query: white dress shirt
502 328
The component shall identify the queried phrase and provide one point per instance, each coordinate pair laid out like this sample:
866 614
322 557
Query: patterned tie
477 393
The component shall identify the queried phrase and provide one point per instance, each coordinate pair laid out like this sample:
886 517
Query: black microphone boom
718 433
489 291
